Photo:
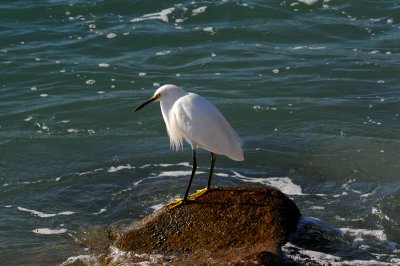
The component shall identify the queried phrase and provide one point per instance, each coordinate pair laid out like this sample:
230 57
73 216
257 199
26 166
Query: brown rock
227 225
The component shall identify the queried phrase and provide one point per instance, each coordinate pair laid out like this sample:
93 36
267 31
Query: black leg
213 158
191 177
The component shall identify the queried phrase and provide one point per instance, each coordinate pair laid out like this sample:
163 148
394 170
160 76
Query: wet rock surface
226 225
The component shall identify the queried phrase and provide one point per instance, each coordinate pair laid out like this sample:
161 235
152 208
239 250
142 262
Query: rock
226 225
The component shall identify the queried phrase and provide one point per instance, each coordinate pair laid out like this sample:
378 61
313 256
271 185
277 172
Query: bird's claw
198 193
175 203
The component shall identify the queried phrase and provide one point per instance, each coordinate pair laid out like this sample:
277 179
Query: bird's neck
165 109
166 105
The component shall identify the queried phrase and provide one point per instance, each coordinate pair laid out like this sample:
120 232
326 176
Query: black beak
152 99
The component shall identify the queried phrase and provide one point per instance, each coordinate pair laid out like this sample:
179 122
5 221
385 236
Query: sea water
311 87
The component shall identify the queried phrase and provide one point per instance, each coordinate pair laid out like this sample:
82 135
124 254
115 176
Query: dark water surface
313 91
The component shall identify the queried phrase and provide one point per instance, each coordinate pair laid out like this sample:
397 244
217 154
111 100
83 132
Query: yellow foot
197 194
174 203
177 202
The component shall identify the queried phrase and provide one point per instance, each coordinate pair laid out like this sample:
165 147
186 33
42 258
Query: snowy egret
191 117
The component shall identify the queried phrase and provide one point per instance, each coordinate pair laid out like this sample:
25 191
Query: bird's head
165 92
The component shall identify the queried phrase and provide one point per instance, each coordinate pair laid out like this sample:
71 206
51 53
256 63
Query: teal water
312 90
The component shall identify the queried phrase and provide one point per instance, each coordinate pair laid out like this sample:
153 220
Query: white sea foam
162 15
111 35
177 173
310 257
72 130
64 121
163 52
166 165
137 183
48 231
90 172
380 214
32 182
284 184
359 236
304 256
221 174
44 215
308 2
317 208
29 118
356 233
101 211
347 187
362 233
114 169
275 71
157 206
199 10
209 29
120 257
82 260
367 195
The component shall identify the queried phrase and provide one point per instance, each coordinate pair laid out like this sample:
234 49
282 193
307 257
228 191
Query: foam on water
209 30
162 15
104 65
186 164
114 169
101 211
360 234
120 257
163 52
311 257
44 215
48 231
82 260
360 238
176 173
284 184
199 10
308 2
157 207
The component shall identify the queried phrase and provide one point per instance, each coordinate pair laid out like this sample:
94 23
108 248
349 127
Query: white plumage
191 117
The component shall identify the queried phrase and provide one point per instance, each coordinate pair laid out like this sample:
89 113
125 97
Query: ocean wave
45 215
285 184
332 247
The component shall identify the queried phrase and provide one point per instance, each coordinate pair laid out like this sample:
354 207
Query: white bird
191 117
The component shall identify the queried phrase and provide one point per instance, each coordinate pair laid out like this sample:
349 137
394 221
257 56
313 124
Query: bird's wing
203 126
